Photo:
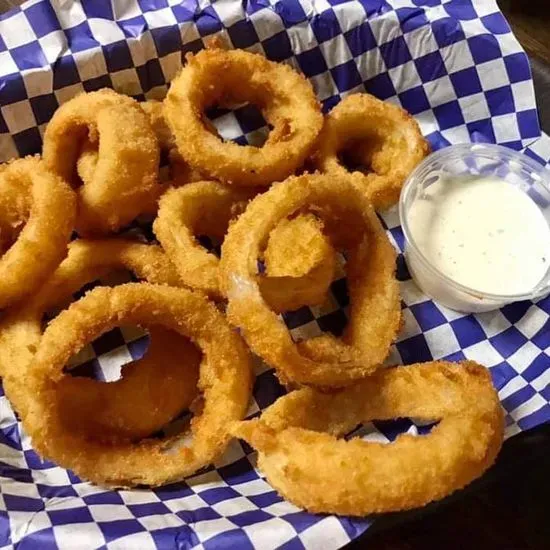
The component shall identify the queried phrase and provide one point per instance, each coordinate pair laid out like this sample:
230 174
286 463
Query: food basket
454 64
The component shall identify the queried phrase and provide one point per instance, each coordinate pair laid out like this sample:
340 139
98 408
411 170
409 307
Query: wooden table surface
530 21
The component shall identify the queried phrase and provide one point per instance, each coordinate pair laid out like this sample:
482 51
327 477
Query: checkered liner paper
453 64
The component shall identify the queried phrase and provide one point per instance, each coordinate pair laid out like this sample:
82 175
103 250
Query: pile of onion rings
281 236
153 405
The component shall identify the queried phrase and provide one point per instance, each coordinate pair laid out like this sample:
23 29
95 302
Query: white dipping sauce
483 233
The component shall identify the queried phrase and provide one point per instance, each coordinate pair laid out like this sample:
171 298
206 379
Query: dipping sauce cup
491 169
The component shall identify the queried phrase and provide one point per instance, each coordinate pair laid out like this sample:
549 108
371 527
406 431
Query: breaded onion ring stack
124 180
299 449
207 208
280 237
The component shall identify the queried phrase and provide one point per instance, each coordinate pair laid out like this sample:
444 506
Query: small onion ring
375 306
300 264
21 333
225 380
284 96
151 392
305 462
208 208
392 145
178 173
199 208
38 210
124 182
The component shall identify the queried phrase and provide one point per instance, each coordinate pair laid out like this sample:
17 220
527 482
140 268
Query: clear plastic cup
477 160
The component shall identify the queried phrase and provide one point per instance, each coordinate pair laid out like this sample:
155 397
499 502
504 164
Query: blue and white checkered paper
454 64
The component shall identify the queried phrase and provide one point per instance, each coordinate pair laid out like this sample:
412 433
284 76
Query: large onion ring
284 96
207 208
21 332
225 380
38 213
320 473
389 142
124 182
375 306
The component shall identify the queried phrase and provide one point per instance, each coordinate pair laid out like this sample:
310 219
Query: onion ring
38 213
284 96
151 392
300 264
207 208
388 141
200 208
124 181
179 172
375 306
318 472
87 261
225 380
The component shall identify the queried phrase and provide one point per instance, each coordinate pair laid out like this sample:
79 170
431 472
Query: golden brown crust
87 261
225 382
300 264
199 208
151 392
124 181
208 208
38 213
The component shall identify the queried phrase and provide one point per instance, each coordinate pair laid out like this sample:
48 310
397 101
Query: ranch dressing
483 233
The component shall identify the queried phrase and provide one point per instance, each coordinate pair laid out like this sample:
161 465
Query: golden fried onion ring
207 208
305 462
124 180
151 392
38 212
21 332
375 307
179 172
199 208
225 380
284 96
388 141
